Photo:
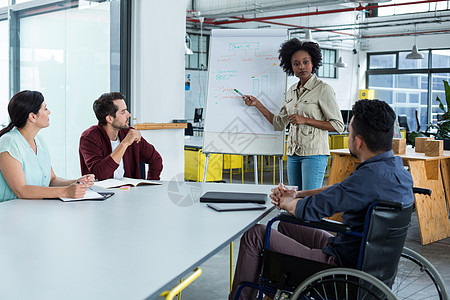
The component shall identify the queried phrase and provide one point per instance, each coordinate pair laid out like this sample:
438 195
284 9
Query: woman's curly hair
293 45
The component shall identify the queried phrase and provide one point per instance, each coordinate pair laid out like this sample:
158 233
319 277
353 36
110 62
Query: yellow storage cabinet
194 164
232 161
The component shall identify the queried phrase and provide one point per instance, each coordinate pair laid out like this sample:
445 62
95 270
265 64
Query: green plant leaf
412 137
447 93
441 106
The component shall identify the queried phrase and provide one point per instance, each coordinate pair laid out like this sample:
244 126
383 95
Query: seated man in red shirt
113 149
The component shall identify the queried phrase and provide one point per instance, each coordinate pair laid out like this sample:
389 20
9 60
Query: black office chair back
142 170
386 234
189 130
403 122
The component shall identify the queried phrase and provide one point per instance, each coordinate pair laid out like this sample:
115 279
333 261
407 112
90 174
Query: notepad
89 195
115 183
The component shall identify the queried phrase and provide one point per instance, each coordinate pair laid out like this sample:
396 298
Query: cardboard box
399 146
434 148
420 143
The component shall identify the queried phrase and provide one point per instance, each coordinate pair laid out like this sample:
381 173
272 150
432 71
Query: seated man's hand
281 191
132 136
288 201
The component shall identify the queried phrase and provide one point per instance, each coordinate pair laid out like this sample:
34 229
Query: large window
71 69
410 9
404 83
199 45
4 73
71 51
327 70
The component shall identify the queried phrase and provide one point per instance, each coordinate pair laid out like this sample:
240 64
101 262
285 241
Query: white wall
158 76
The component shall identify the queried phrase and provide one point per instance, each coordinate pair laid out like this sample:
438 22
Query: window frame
331 64
197 52
120 72
396 71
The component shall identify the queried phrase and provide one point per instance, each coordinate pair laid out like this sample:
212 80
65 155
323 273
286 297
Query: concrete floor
214 282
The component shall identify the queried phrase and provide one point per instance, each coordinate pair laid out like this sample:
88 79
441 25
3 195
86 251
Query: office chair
403 123
189 130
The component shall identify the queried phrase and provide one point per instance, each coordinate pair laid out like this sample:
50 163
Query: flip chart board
246 60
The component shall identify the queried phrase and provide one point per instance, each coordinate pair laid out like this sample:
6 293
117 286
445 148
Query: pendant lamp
414 54
187 40
308 37
340 63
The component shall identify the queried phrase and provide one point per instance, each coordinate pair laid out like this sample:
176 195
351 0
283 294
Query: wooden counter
427 172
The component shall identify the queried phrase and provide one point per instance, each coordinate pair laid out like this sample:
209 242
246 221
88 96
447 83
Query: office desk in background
427 172
133 245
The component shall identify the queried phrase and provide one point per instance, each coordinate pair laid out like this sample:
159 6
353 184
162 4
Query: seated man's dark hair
104 106
373 120
293 45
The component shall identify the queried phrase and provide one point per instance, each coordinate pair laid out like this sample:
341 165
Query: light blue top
36 167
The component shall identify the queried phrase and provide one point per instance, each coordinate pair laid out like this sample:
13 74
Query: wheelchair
385 269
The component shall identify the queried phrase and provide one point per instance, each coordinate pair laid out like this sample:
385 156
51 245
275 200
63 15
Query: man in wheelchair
380 175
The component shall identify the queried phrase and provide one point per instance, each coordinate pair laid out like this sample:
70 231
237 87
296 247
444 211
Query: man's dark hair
373 120
104 106
291 46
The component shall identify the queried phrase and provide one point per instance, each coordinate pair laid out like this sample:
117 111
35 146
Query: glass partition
405 93
66 55
4 73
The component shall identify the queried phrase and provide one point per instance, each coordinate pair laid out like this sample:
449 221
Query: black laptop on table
233 197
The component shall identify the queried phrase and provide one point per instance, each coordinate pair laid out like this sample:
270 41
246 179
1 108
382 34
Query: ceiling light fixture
308 35
340 63
414 54
187 43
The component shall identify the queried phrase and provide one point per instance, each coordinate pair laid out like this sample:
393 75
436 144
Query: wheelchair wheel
417 278
342 284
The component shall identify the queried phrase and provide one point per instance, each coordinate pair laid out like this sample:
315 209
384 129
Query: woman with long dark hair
25 168
310 109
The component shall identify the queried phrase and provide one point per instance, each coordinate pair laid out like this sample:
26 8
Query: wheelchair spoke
417 279
318 294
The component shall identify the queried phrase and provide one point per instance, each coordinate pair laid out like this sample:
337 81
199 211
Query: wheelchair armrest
422 191
325 224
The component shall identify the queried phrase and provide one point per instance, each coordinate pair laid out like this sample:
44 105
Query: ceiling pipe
313 13
404 34
302 27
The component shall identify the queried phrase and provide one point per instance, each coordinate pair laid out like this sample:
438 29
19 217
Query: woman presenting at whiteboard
311 110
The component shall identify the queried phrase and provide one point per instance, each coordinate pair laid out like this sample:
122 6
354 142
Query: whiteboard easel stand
255 167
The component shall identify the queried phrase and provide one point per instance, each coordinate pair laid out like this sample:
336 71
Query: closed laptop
233 197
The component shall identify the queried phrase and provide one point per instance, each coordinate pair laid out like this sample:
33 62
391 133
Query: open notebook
89 195
125 181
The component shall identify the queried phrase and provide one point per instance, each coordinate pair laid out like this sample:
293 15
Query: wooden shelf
155 126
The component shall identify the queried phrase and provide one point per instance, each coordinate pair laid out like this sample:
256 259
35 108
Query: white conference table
133 245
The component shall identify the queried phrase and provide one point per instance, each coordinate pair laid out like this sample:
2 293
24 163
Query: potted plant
443 125
411 138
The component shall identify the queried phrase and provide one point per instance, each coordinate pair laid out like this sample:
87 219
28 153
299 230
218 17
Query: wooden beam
156 126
